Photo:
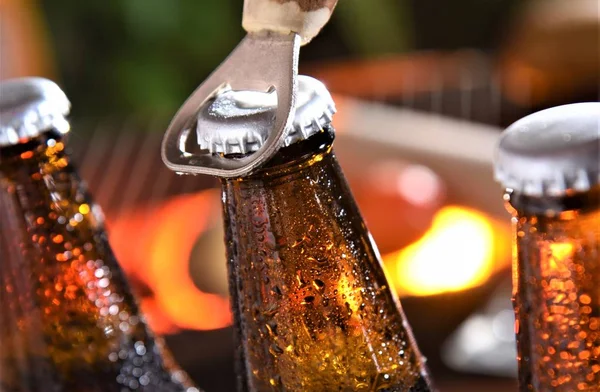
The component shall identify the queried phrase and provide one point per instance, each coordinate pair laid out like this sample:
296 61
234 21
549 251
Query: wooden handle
304 17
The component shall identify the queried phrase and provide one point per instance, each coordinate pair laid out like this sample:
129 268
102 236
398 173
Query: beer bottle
312 307
68 320
549 163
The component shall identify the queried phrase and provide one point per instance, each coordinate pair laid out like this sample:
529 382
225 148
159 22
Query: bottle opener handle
266 59
303 17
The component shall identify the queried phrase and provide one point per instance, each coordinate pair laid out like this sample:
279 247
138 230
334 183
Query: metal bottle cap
552 151
239 122
30 107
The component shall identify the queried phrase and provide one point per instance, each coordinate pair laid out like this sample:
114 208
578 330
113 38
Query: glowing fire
458 252
154 247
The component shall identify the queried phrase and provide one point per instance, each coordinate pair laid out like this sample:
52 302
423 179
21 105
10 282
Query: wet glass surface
557 294
314 311
68 320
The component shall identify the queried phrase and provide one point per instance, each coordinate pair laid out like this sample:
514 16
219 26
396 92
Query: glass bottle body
312 306
68 321
556 291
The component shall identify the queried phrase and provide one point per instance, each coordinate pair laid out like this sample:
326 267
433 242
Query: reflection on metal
485 342
272 64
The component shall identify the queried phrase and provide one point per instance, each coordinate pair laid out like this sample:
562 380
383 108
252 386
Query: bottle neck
44 154
31 144
294 157
549 206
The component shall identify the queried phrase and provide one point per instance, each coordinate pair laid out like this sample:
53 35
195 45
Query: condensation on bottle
549 163
313 309
68 319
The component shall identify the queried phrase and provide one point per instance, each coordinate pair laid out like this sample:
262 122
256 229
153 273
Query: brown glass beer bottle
68 320
313 309
549 163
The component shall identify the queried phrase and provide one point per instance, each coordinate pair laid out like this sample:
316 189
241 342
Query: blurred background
423 88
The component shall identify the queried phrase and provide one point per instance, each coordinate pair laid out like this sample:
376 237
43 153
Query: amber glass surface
68 321
312 306
557 291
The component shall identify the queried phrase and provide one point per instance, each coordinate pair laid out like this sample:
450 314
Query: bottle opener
265 60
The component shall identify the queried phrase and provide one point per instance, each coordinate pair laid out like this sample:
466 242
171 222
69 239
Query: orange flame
157 255
460 251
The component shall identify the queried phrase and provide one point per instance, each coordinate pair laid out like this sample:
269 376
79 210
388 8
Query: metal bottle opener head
265 60
261 62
